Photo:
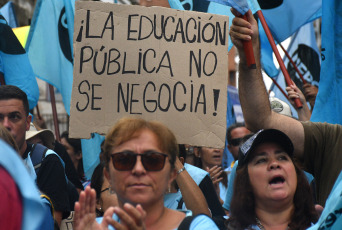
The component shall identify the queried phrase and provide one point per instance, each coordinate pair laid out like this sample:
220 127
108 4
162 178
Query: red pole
293 64
276 83
38 112
248 49
275 50
54 112
2 79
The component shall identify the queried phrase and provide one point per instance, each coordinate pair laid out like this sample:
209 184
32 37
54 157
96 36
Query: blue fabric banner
285 17
328 106
239 5
204 6
9 14
292 18
49 45
15 64
304 53
91 150
33 209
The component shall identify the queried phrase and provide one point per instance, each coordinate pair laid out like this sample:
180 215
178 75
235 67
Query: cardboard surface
155 63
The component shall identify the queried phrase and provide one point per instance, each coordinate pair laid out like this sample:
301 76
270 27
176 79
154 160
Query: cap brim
268 135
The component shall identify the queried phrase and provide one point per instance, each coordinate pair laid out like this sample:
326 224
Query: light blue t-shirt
200 222
223 191
229 193
171 200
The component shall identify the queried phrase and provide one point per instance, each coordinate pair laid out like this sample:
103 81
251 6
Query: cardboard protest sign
154 63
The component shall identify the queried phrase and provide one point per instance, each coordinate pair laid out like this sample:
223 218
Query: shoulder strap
185 225
37 155
180 203
48 201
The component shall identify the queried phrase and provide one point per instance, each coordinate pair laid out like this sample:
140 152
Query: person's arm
252 91
192 195
210 195
304 114
215 173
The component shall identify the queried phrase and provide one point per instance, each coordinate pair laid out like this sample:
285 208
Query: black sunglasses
236 141
126 160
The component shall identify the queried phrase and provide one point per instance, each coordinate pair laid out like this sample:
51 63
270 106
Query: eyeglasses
236 141
126 160
106 189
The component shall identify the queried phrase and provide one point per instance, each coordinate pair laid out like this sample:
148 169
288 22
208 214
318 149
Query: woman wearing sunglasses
139 164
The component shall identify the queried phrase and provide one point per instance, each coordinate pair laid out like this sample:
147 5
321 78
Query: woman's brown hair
128 128
243 204
8 138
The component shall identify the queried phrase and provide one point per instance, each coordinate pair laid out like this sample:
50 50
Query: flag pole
276 52
248 49
54 112
279 87
38 112
293 64
2 79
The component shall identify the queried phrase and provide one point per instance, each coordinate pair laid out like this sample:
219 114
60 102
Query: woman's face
272 174
210 156
139 185
68 148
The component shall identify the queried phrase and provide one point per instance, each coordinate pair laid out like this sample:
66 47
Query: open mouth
277 180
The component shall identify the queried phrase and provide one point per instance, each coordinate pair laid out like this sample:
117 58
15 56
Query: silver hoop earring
111 191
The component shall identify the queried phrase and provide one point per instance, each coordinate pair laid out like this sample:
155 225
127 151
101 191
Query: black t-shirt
51 180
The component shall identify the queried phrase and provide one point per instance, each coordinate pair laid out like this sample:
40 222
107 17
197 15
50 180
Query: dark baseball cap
263 136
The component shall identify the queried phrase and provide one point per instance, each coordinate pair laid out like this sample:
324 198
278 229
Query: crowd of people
286 172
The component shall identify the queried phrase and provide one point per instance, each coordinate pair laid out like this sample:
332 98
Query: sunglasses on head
151 160
236 141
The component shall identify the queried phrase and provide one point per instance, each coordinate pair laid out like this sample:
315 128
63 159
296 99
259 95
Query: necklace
258 222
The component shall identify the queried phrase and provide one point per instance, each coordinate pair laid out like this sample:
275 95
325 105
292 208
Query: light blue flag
15 64
9 14
239 5
304 53
328 106
184 5
49 44
267 62
206 6
292 18
216 8
331 217
284 18
33 209
91 150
